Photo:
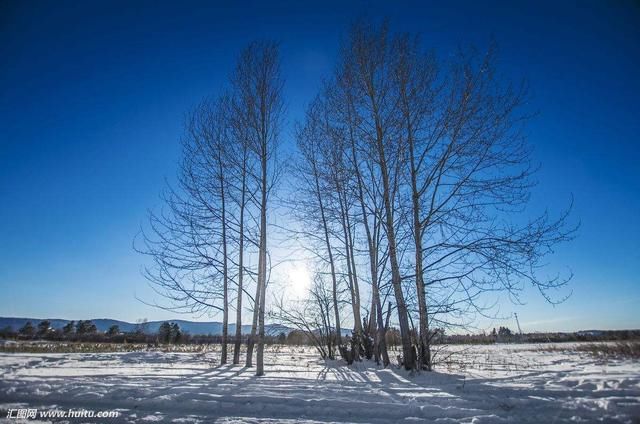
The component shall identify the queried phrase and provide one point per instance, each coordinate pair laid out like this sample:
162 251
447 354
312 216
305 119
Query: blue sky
93 95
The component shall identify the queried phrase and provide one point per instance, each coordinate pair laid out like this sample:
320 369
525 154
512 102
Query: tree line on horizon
86 331
410 179
169 333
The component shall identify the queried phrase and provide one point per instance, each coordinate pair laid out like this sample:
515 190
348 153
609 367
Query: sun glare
299 281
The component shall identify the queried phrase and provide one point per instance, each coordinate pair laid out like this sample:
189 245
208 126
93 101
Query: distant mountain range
150 327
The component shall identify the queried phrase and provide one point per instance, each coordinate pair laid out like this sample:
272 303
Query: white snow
477 384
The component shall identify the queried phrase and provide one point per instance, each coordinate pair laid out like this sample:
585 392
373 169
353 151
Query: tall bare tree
364 62
433 153
341 100
188 240
241 159
258 104
416 82
311 140
413 170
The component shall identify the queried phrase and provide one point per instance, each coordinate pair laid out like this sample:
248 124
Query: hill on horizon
149 327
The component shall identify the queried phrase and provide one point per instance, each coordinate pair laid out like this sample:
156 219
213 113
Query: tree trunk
262 264
373 259
396 278
331 262
225 288
424 348
355 297
238 340
254 329
356 288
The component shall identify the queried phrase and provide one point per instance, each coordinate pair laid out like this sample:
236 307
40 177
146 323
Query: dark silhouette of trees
114 330
412 177
27 330
171 333
175 334
217 214
504 332
44 327
85 327
428 160
258 108
164 332
69 328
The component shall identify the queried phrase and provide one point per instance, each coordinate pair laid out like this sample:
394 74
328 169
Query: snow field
474 384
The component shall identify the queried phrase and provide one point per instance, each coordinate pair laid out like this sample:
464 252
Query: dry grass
625 350
90 347
603 350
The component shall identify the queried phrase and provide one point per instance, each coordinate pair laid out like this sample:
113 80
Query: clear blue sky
92 96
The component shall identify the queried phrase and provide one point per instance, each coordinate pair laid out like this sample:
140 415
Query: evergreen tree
175 333
28 329
504 332
86 327
164 333
114 330
43 327
68 328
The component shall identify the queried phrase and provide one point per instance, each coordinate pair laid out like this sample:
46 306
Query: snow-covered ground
499 383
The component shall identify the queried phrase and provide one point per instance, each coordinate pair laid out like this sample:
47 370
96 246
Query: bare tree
367 182
412 178
471 176
242 162
364 63
311 139
434 168
188 240
339 183
415 76
312 316
258 106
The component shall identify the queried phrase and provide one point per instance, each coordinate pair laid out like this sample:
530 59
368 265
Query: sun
299 280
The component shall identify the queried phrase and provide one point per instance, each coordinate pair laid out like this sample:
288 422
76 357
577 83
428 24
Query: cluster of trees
80 330
44 329
507 336
409 181
412 174
502 332
86 330
304 337
169 333
216 216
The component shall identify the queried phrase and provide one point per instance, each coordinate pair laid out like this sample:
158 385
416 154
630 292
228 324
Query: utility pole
518 322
